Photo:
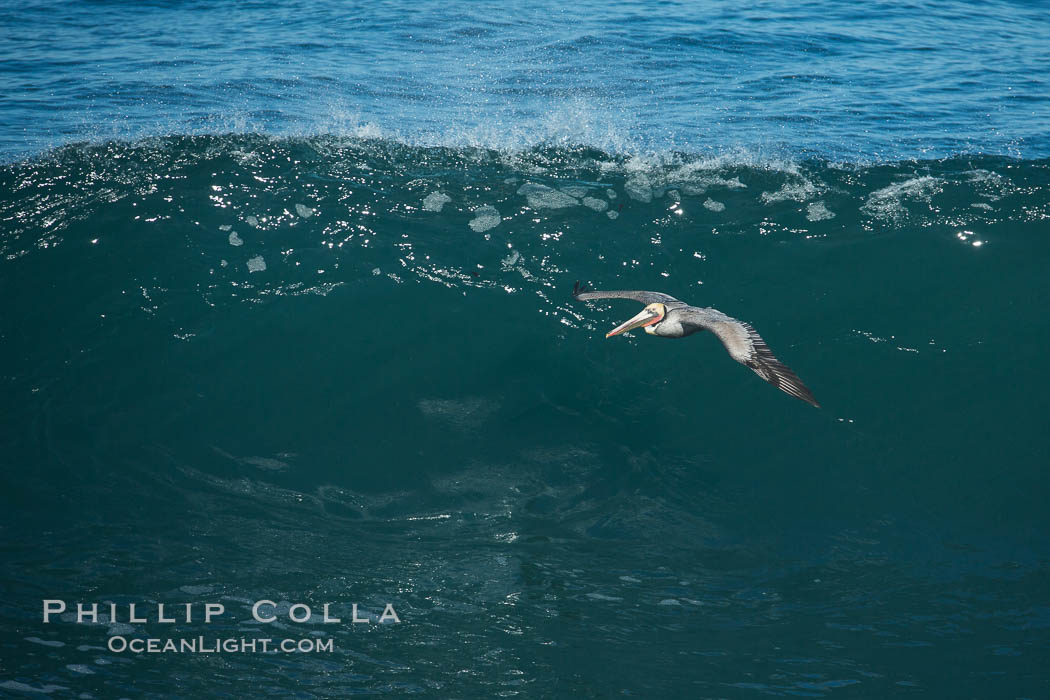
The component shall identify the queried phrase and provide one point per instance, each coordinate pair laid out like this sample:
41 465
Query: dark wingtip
808 396
801 391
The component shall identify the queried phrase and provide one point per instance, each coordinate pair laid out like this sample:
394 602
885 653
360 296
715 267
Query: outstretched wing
580 292
746 346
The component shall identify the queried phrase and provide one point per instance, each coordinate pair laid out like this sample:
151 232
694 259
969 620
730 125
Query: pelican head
650 316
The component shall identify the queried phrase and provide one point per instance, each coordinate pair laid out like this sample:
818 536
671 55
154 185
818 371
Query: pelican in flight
667 317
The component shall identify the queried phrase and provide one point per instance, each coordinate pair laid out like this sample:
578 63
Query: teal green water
405 406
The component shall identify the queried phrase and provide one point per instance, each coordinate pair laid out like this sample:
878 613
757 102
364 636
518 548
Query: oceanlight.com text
230 645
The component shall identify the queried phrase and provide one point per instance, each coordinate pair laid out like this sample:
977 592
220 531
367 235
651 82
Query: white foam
639 187
235 240
696 186
595 204
612 214
798 191
990 185
576 191
304 211
435 201
485 218
818 211
888 203
713 205
252 221
80 668
543 197
256 264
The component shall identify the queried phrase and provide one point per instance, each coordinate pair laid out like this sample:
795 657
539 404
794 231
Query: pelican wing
580 292
746 346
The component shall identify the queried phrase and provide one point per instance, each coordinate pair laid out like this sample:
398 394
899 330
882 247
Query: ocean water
286 316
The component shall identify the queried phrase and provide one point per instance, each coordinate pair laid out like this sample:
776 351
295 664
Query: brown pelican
667 317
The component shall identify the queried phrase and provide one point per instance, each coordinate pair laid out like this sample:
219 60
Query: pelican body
667 317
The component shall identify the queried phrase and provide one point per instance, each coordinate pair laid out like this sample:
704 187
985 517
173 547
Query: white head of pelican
649 317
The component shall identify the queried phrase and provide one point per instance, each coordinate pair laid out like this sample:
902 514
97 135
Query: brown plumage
668 317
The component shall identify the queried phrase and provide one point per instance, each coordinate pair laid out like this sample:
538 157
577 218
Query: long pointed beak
646 318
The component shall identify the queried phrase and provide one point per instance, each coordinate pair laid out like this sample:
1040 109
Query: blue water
880 80
286 316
